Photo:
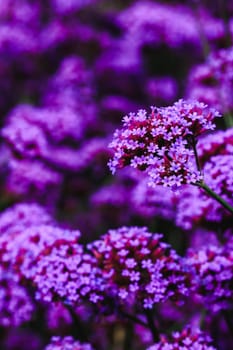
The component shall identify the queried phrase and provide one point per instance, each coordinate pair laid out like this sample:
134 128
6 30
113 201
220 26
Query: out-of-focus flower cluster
212 82
213 272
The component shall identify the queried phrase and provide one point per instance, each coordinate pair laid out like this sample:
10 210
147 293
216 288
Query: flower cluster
66 343
186 339
24 215
155 201
218 175
38 136
162 143
213 273
215 144
212 81
156 23
16 306
63 270
138 267
21 246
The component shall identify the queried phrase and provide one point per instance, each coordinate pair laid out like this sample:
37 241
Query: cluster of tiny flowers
25 215
217 143
64 271
151 202
157 23
139 267
212 81
218 175
213 273
16 306
21 246
184 340
162 142
66 343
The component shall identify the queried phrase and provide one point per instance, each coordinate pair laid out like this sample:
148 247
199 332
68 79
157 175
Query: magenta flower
138 267
22 246
16 305
64 271
67 343
212 82
213 274
163 142
186 339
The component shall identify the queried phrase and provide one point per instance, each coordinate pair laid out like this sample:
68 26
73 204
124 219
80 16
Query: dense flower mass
163 142
218 174
25 215
67 343
215 144
186 339
212 82
21 246
213 274
156 201
16 305
157 23
139 267
63 270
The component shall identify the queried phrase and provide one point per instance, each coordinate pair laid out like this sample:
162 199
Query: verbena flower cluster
139 267
96 258
186 339
212 81
213 272
162 142
67 343
16 305
21 246
63 270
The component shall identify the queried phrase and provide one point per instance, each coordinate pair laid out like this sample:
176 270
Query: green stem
228 119
151 325
203 39
194 145
202 319
214 195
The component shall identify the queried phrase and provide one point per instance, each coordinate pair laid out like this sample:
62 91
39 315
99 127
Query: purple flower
64 271
16 306
149 202
64 7
33 179
162 142
162 90
66 343
215 144
23 215
212 274
175 26
138 267
195 207
21 247
212 81
186 339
